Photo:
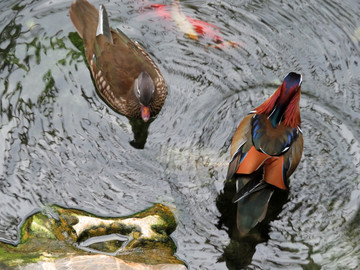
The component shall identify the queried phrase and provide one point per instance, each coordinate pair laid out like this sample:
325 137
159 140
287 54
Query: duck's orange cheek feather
273 167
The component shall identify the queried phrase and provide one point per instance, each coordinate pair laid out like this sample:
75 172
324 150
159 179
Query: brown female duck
124 74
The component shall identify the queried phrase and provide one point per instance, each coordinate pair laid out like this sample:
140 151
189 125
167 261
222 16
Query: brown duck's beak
145 113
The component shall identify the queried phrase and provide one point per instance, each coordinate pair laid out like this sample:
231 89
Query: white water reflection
60 143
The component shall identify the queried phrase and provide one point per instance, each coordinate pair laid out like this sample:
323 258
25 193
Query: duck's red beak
145 113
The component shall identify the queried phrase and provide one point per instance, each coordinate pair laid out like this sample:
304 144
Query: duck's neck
288 114
277 115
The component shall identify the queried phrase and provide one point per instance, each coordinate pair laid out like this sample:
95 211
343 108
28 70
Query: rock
57 238
96 262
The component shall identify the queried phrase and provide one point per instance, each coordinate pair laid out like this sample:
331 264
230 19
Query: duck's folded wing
240 145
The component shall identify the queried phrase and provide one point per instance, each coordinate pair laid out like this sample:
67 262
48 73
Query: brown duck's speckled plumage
115 66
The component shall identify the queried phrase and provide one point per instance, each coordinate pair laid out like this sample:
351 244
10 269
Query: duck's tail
252 198
85 19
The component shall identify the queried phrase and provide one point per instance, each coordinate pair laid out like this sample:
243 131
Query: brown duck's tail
85 19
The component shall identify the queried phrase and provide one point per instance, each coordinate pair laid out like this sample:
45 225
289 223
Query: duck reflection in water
239 252
265 150
140 130
124 74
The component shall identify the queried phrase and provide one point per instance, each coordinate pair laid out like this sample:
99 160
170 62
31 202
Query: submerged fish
191 27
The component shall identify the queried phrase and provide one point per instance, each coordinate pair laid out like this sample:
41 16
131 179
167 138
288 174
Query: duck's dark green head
144 91
290 86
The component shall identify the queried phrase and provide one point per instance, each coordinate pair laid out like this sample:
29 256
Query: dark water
60 143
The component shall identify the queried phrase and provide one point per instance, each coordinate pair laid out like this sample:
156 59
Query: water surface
61 144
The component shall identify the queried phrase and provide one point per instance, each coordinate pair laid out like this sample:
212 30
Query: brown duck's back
133 59
116 64
128 56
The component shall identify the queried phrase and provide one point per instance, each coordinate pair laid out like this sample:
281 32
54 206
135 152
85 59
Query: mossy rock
58 235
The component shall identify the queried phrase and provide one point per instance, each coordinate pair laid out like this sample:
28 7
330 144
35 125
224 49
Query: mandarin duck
268 140
125 75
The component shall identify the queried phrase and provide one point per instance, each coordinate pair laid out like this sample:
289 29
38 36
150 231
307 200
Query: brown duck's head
144 91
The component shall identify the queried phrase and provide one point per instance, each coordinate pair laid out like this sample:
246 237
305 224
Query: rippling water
61 144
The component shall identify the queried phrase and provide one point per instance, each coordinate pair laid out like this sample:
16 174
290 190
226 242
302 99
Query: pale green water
60 143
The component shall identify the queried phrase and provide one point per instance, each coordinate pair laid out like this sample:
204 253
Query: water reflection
59 143
141 131
239 252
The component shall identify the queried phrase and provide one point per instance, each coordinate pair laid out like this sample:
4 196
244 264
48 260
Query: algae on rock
58 235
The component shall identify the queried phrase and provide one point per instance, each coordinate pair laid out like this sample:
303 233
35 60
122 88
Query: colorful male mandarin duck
124 74
268 140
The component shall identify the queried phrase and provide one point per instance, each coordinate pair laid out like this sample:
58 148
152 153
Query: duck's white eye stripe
137 88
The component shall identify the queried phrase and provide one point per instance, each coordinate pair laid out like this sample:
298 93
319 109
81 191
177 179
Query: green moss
76 40
40 227
163 212
10 257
